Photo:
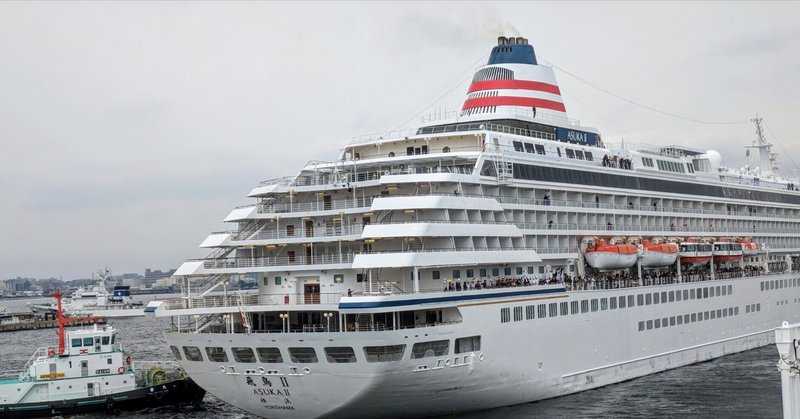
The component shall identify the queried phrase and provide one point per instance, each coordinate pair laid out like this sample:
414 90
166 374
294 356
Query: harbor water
743 385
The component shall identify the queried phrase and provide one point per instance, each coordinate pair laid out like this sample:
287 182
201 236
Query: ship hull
174 392
517 362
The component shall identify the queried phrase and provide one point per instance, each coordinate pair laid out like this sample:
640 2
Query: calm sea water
744 385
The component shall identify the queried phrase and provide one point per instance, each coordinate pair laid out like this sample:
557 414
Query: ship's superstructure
502 256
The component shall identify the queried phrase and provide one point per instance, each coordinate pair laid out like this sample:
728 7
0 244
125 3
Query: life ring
128 360
121 370
51 351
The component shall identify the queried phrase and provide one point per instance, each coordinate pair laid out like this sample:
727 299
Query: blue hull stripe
450 298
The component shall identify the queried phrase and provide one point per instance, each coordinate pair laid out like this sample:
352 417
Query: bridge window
384 353
216 354
192 353
76 343
244 355
528 148
430 349
175 352
340 355
269 355
468 344
303 355
517 145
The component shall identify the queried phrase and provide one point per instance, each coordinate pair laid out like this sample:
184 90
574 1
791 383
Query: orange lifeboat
749 247
692 252
659 254
605 256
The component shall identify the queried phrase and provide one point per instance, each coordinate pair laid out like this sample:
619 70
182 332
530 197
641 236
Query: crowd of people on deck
618 162
602 280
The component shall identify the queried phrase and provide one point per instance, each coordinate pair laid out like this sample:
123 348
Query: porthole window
446 149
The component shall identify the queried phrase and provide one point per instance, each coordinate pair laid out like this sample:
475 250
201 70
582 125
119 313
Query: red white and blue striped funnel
512 84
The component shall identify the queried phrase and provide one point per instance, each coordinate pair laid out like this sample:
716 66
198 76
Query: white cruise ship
502 256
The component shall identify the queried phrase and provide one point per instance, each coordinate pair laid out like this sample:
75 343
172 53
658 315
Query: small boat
658 254
89 371
749 248
606 256
726 250
694 252
97 301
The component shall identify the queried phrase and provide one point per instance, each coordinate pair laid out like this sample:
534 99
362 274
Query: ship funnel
502 40
521 41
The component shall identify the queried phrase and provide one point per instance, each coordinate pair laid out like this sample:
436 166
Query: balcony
263 262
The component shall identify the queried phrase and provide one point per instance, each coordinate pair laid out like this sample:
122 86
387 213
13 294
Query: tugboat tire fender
121 370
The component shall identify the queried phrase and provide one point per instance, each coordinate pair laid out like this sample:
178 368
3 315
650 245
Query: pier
28 321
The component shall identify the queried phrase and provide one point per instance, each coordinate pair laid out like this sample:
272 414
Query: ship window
705 315
359 277
340 355
456 273
87 341
303 355
671 296
424 150
192 353
446 149
680 320
539 148
482 272
691 293
391 154
541 310
648 298
630 300
216 354
175 352
430 349
530 312
649 324
604 304
468 344
725 312
530 270
505 315
612 303
570 153
677 295
76 343
506 271
657 324
712 292
564 308
584 306
622 301
656 298
579 154
762 285
106 339
470 273
641 326
290 230
719 313
553 309
245 355
558 151
705 292
730 289
747 308
495 271
594 304
517 145
640 299
528 148
736 311
517 313
589 156
386 353
574 307
686 318
409 151
269 355
435 275
519 270
694 317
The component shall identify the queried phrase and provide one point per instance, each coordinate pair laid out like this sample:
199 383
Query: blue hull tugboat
89 371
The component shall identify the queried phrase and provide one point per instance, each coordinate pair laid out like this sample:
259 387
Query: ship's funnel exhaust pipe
502 40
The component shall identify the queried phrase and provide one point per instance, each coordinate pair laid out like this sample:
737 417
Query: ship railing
39 353
333 231
152 373
334 205
257 262
211 301
281 181
13 374
660 229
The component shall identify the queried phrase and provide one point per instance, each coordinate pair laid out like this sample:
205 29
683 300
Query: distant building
151 276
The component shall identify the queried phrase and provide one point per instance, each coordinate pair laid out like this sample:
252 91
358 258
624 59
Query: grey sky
129 130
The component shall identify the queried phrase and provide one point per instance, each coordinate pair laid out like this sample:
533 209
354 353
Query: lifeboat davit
605 256
663 254
725 250
694 253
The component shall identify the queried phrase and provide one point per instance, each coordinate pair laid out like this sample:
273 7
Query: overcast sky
130 130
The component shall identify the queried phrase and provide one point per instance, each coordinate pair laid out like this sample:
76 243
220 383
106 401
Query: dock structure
28 321
787 339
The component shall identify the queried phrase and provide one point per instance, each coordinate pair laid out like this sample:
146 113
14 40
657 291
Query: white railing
245 262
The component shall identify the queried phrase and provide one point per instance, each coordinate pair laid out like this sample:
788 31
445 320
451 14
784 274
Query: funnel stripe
529 102
514 84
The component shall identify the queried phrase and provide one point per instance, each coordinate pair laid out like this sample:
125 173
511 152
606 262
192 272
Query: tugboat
89 371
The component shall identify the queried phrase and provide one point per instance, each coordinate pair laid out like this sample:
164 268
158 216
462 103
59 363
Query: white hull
576 356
